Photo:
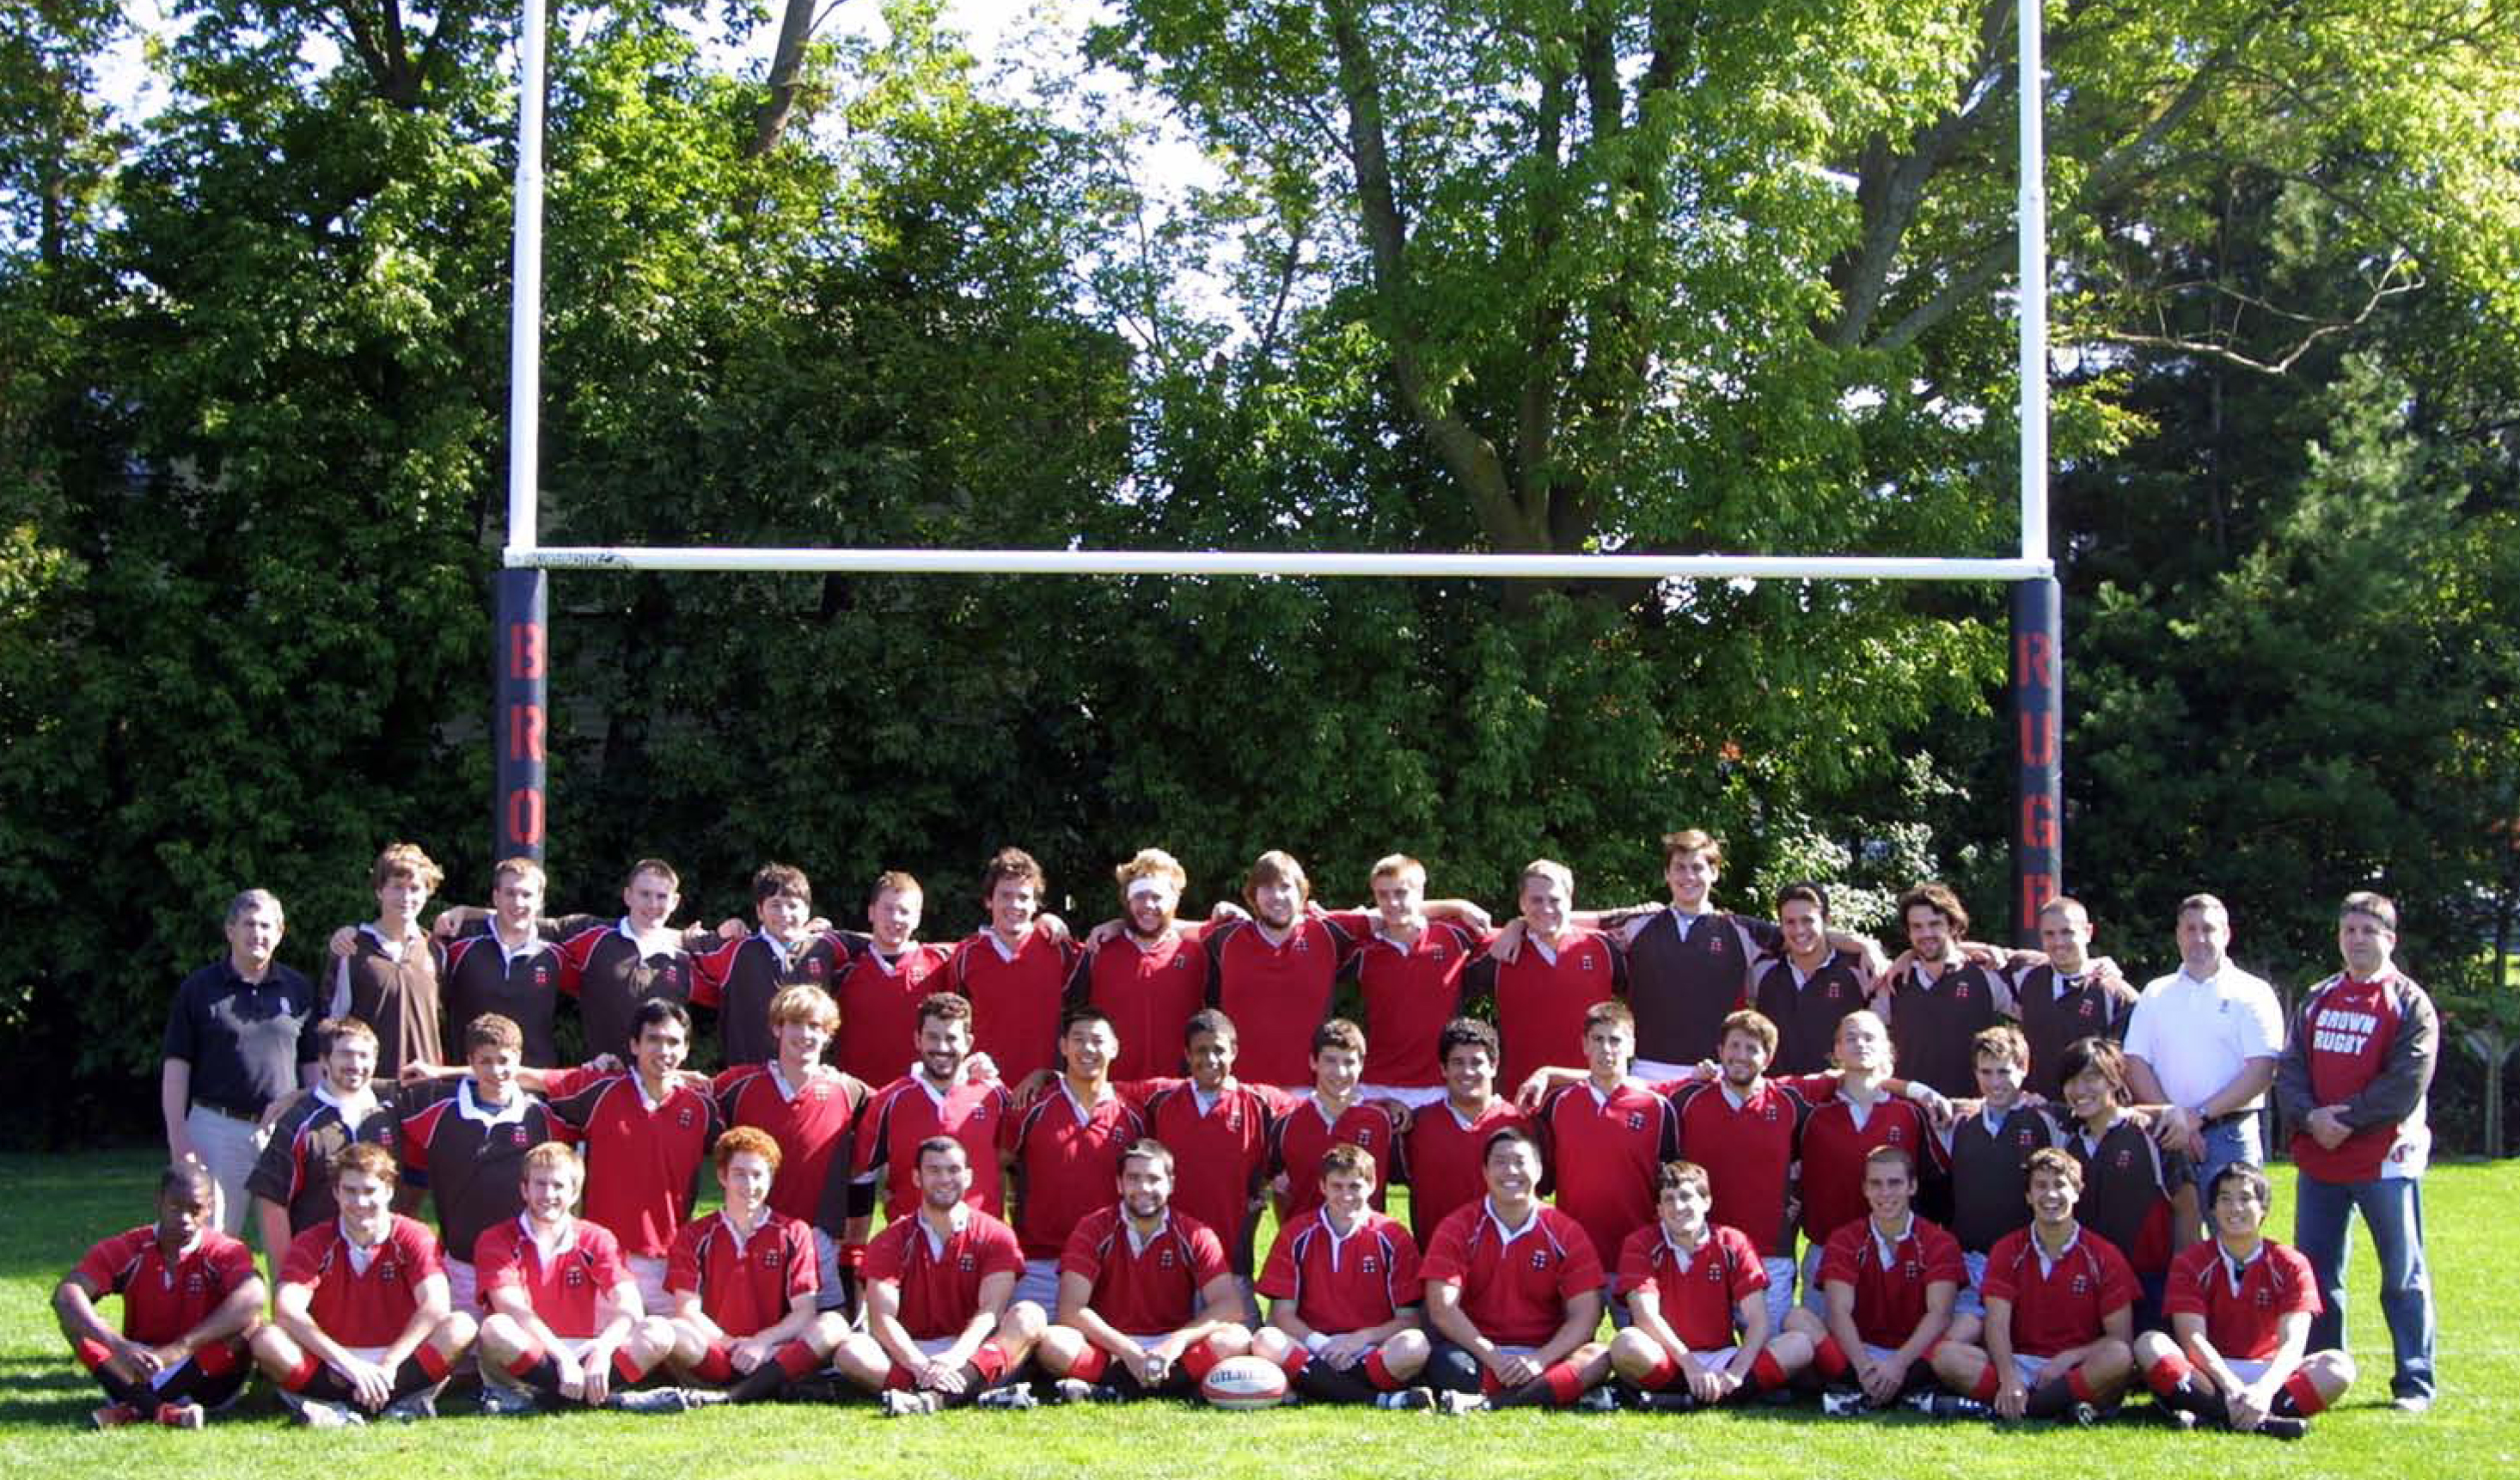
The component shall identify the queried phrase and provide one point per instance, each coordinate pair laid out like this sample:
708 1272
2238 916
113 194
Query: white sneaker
655 1400
900 1404
316 1412
408 1410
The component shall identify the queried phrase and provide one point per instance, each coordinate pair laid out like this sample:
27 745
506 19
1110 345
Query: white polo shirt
2198 1034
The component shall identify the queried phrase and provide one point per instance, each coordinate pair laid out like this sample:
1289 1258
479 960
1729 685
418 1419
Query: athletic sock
1320 1379
1767 1374
536 1369
1379 1372
1987 1384
2299 1397
1829 1359
93 1356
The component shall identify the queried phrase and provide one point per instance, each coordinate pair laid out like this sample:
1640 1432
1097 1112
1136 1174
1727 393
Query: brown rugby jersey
1990 1169
1807 1012
398 997
1682 986
2058 1010
1931 1024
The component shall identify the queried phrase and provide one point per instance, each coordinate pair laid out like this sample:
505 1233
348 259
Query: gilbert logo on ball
1244 1382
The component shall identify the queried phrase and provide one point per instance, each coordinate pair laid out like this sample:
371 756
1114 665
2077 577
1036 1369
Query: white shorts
826 1272
649 1273
2247 1368
1039 1284
1416 1097
1970 1300
2032 1371
1715 1361
1815 1297
463 1287
1780 1289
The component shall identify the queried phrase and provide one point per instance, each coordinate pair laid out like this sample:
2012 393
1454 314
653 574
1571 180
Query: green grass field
52 1208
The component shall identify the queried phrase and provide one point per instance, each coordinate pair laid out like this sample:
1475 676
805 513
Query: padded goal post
521 677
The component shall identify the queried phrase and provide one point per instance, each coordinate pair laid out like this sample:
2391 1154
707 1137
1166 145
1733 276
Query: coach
240 1035
2203 1041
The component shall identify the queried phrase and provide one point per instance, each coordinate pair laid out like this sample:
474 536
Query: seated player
1889 1278
1147 1302
1987 1144
1343 1295
189 1299
646 1134
940 1331
2059 1312
564 1315
292 1182
742 1282
2139 1196
807 1107
2240 1305
1514 1293
1065 1149
1698 1311
1867 1112
362 1322
1442 1151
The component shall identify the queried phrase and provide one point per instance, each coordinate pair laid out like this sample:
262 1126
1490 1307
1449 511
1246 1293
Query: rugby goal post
521 680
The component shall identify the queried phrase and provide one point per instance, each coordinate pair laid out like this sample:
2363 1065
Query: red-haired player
742 1282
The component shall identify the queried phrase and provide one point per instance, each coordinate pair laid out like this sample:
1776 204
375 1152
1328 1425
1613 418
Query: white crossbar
1824 567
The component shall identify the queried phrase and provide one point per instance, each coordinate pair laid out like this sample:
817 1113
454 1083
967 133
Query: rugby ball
1244 1382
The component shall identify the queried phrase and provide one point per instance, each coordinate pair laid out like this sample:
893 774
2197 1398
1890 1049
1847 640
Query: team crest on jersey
1587 964
966 1263
814 968
685 1118
2265 1298
1364 1135
1893 1136
542 975
1768 1113
2082 1284
1369 1265
1164 1258
770 1259
1435 954
1912 1269
2023 1136
1303 944
1635 1120
517 1134
1539 1259
2091 1009
1960 993
194 1283
2126 1158
575 1278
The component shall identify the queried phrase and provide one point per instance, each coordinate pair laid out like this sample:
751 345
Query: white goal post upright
521 662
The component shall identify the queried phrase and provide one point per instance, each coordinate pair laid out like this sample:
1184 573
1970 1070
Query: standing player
240 1034
1150 980
2139 1196
1407 969
1065 1149
1343 1295
389 979
808 1109
1332 1117
2068 997
362 1323
1698 1312
940 1331
1607 1136
1935 1000
1888 1278
885 978
2354 1080
745 1311
1555 974
564 1317
936 1098
1988 1147
1692 964
1444 1151
468 1136
1014 970
1807 984
1220 1130
610 969
507 963
1513 1293
740 977
2240 1307
2059 1313
1146 1301
1273 973
292 1179
189 1299
647 1135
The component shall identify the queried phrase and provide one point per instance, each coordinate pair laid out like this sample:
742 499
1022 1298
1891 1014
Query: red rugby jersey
1514 1286
363 1306
1541 1002
1142 1291
878 1000
567 1290
1890 1278
1015 997
745 1285
811 1122
1277 992
161 1300
643 1159
2057 1304
1302 1135
1603 1150
2346 1033
1445 1160
1067 1163
1748 1151
910 1110
1698 1292
1344 1282
1220 1151
940 1277
1410 992
2243 1306
1149 989
1834 1145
